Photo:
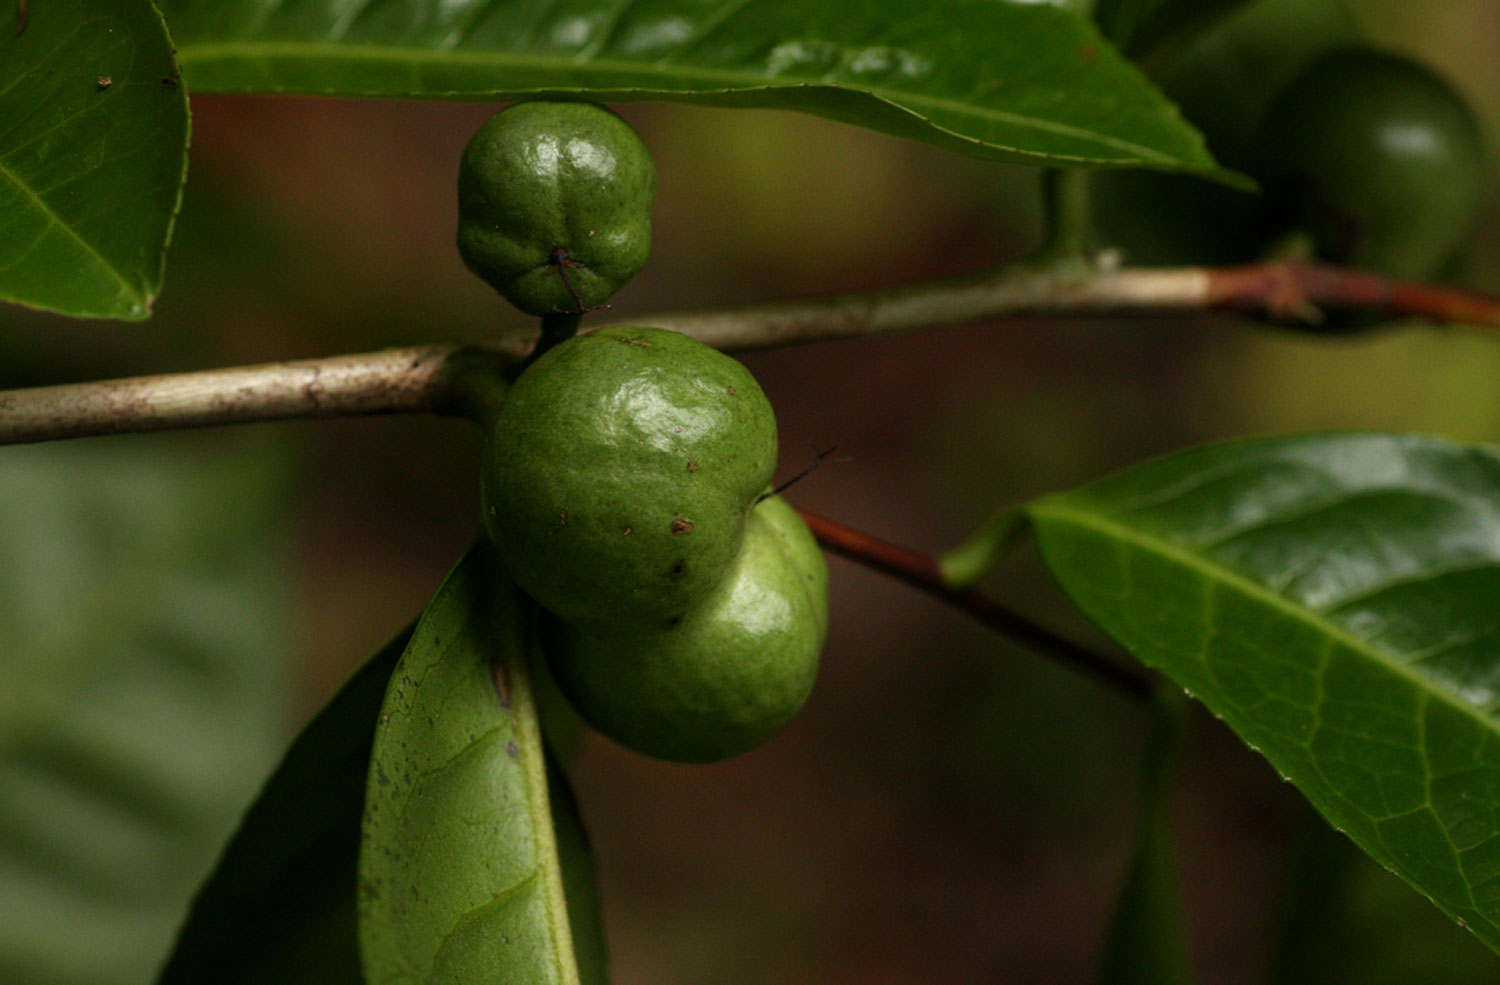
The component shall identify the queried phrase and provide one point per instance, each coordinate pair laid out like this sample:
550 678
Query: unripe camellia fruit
1378 159
729 674
554 205
620 472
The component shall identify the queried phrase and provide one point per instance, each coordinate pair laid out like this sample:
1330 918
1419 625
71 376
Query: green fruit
620 471
554 205
1378 159
1223 83
729 674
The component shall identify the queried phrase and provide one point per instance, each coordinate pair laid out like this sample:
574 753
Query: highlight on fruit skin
1377 159
620 472
554 203
724 678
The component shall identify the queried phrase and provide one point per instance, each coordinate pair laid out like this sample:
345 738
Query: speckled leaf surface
998 78
461 870
1334 599
93 151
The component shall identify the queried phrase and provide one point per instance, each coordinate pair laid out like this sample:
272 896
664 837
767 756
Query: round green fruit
620 471
1378 159
554 205
726 676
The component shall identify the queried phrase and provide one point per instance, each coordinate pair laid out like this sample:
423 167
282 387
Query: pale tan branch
416 380
390 381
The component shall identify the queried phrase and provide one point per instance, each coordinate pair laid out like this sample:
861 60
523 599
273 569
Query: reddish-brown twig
1293 290
921 572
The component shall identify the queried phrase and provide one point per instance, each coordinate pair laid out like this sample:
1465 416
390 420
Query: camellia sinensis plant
638 571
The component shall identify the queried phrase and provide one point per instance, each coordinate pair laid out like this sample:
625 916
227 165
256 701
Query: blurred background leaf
1146 943
1345 919
142 636
1142 27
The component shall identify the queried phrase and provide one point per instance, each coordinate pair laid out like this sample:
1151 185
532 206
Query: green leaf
280 905
1144 27
93 151
1333 599
996 78
142 635
460 871
1147 942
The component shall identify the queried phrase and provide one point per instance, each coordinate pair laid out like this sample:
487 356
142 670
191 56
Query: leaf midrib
257 50
1100 523
129 290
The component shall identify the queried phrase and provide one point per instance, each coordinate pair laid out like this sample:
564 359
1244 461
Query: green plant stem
473 385
977 556
1147 942
556 329
1069 219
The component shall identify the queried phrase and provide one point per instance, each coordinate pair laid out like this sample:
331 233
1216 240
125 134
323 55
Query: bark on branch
417 380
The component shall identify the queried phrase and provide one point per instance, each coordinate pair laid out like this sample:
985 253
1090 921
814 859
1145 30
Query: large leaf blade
997 78
461 870
93 151
1331 597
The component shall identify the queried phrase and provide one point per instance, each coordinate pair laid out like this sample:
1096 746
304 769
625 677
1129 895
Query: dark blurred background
947 809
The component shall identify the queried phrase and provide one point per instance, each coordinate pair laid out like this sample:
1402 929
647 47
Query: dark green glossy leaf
998 78
1147 942
460 872
1333 599
142 633
93 150
280 905
1142 27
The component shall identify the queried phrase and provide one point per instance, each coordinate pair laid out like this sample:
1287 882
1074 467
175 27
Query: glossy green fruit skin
542 176
1378 158
619 473
725 678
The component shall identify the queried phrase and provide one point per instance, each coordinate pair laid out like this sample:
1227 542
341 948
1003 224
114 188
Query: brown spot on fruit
627 531
681 526
562 517
692 465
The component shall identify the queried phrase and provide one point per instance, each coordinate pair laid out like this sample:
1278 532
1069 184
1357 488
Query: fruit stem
472 385
557 327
